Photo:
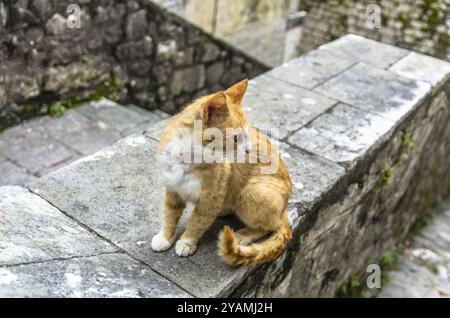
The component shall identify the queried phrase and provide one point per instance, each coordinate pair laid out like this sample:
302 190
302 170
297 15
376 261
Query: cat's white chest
177 175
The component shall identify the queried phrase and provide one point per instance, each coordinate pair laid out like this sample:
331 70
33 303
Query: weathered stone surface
137 25
64 79
423 68
154 118
21 143
382 92
188 80
274 104
112 115
136 50
312 69
342 135
32 230
12 174
360 49
56 25
214 73
110 275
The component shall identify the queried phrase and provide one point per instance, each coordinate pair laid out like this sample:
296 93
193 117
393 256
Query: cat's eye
236 138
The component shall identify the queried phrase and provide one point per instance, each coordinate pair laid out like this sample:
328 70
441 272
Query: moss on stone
389 258
407 142
107 89
351 288
385 177
57 110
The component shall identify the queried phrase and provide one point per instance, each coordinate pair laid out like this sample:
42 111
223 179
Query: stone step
423 269
45 144
353 148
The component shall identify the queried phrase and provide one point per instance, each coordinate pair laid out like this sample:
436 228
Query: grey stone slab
273 104
422 67
154 118
360 49
32 230
102 276
312 69
343 135
113 115
11 174
380 91
90 139
32 149
155 115
117 193
77 132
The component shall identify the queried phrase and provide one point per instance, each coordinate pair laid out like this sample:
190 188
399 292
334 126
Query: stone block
343 135
379 91
423 68
312 69
12 174
32 230
188 80
360 49
32 149
110 275
111 115
274 104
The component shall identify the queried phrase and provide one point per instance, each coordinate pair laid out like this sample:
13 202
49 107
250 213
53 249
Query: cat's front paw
185 248
160 243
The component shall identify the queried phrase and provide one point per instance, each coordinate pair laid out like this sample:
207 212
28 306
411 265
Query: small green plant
407 142
389 258
57 110
351 288
386 177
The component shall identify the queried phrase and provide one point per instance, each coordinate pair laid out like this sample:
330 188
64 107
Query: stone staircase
361 122
42 145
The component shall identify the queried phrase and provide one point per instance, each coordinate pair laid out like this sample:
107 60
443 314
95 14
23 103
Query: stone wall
423 26
364 134
258 27
130 51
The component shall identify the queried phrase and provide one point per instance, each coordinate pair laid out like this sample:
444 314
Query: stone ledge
361 174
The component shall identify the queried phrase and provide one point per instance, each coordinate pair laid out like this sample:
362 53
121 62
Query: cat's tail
255 253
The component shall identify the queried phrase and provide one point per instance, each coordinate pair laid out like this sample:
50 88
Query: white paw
185 248
159 243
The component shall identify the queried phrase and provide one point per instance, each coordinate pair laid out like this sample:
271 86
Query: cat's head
224 111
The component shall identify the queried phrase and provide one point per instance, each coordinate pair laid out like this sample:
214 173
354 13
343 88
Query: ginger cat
258 199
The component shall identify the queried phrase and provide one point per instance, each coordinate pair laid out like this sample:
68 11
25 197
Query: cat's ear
216 109
237 91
